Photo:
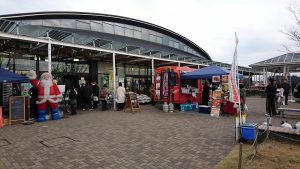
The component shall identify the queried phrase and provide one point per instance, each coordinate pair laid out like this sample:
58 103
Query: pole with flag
233 83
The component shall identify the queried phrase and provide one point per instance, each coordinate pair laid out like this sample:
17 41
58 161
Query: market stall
7 82
219 94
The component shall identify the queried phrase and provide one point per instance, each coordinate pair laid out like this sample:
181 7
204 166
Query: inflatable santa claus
48 95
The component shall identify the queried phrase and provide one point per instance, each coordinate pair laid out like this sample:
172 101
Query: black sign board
17 108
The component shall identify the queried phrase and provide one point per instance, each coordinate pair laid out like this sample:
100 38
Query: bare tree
293 32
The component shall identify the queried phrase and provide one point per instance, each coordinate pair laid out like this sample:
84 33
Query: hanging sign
165 84
215 79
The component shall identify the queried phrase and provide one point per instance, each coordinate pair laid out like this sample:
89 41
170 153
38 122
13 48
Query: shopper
270 100
120 97
104 97
205 94
286 91
86 96
279 95
95 90
80 96
243 97
33 92
73 100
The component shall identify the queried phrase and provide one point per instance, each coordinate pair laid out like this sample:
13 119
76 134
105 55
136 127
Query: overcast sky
209 23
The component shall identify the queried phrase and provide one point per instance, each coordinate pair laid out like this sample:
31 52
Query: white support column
284 70
178 64
114 78
49 55
18 29
152 69
265 76
198 66
249 80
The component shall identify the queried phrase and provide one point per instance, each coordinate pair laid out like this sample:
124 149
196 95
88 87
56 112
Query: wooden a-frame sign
132 102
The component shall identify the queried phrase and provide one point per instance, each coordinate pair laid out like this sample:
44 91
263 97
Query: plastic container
193 106
171 107
185 107
249 131
298 128
204 109
165 107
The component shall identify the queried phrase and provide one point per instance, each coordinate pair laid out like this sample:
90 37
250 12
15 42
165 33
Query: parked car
297 92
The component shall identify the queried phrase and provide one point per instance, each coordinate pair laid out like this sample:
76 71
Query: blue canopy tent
207 73
10 77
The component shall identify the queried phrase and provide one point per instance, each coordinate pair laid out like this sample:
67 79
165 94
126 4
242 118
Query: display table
228 108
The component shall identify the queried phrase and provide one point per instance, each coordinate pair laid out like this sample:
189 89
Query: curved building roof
174 40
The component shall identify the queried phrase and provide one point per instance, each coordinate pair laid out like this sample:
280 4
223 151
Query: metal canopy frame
33 33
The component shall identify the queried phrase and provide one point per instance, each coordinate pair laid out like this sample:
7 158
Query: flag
233 82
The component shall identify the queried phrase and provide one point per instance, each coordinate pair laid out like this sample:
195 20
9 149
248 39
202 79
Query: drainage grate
56 141
4 142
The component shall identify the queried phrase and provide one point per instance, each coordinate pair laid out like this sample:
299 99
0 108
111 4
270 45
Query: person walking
73 100
286 91
104 97
205 94
270 100
95 90
120 97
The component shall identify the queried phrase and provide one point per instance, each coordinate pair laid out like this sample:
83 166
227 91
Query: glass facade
116 29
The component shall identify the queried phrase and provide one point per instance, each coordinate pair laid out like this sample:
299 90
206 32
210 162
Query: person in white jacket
120 97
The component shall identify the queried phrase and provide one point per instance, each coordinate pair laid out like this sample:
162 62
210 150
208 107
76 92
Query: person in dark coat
205 94
73 100
270 100
86 96
95 90
286 91
33 92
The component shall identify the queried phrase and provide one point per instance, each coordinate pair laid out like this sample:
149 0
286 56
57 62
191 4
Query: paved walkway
116 140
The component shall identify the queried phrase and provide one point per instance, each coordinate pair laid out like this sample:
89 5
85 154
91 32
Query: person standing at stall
33 93
95 89
73 100
120 97
286 91
104 97
243 97
86 95
205 94
270 100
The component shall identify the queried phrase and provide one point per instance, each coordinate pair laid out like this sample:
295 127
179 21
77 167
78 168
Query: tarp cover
207 73
10 77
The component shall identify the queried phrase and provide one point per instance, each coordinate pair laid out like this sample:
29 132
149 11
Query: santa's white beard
46 84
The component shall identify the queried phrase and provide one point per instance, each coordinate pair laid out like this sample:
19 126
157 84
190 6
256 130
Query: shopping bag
95 98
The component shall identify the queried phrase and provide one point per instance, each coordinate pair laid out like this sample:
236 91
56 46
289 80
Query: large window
96 26
159 39
152 38
128 32
137 34
83 25
119 30
108 28
176 45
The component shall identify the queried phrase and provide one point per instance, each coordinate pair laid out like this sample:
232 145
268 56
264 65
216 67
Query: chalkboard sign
132 102
16 108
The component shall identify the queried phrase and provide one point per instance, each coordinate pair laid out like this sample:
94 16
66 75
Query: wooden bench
281 110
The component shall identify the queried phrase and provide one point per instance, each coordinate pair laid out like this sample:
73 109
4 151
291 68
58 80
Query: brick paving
150 139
